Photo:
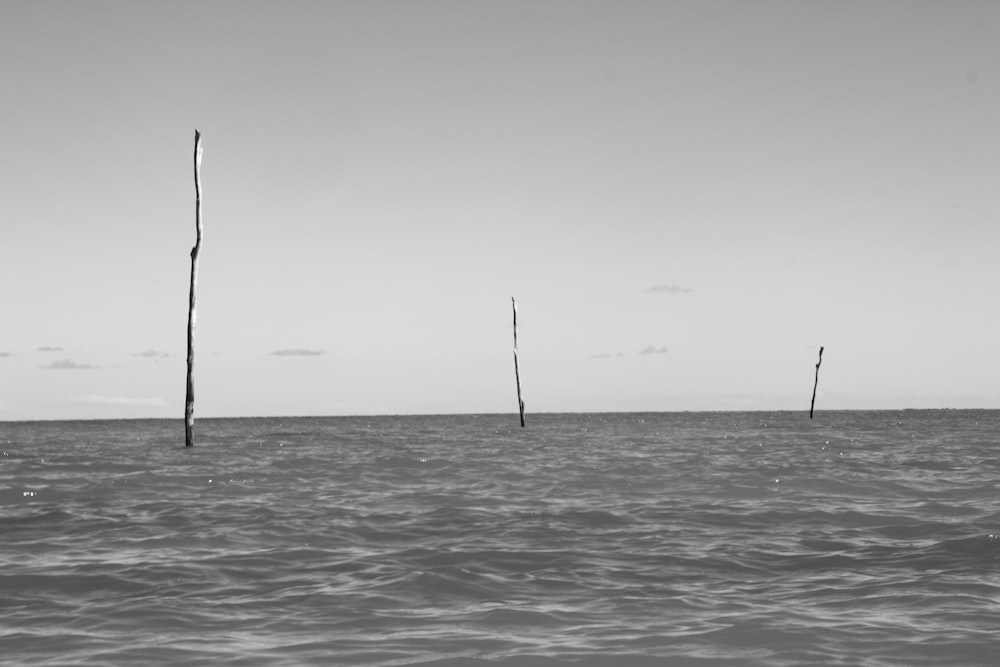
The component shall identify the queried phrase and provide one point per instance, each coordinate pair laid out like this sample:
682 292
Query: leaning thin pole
816 383
517 375
189 399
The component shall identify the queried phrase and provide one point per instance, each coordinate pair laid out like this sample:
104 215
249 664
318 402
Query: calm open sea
604 539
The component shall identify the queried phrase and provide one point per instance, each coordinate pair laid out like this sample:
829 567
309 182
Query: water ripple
715 539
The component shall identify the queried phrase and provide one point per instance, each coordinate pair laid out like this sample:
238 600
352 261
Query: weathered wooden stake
816 383
517 375
189 399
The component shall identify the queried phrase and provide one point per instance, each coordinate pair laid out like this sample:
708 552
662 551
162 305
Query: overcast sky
687 200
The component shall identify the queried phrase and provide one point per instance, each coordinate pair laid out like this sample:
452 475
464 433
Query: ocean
717 538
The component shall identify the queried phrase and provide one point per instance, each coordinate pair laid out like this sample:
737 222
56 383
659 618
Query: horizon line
491 414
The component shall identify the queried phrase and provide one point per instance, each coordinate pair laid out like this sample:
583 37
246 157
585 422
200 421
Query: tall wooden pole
816 383
517 375
189 399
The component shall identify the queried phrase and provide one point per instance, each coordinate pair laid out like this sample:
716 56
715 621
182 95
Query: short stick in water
816 383
517 374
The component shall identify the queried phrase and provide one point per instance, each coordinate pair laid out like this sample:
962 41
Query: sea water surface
598 539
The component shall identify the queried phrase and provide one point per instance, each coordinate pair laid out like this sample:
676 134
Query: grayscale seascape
721 538
424 211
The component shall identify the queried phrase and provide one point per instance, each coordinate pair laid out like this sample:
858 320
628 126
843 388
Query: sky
686 198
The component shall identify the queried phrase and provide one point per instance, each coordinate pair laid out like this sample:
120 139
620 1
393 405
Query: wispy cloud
6 354
67 365
46 348
126 401
606 355
152 354
297 352
351 408
649 349
672 288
